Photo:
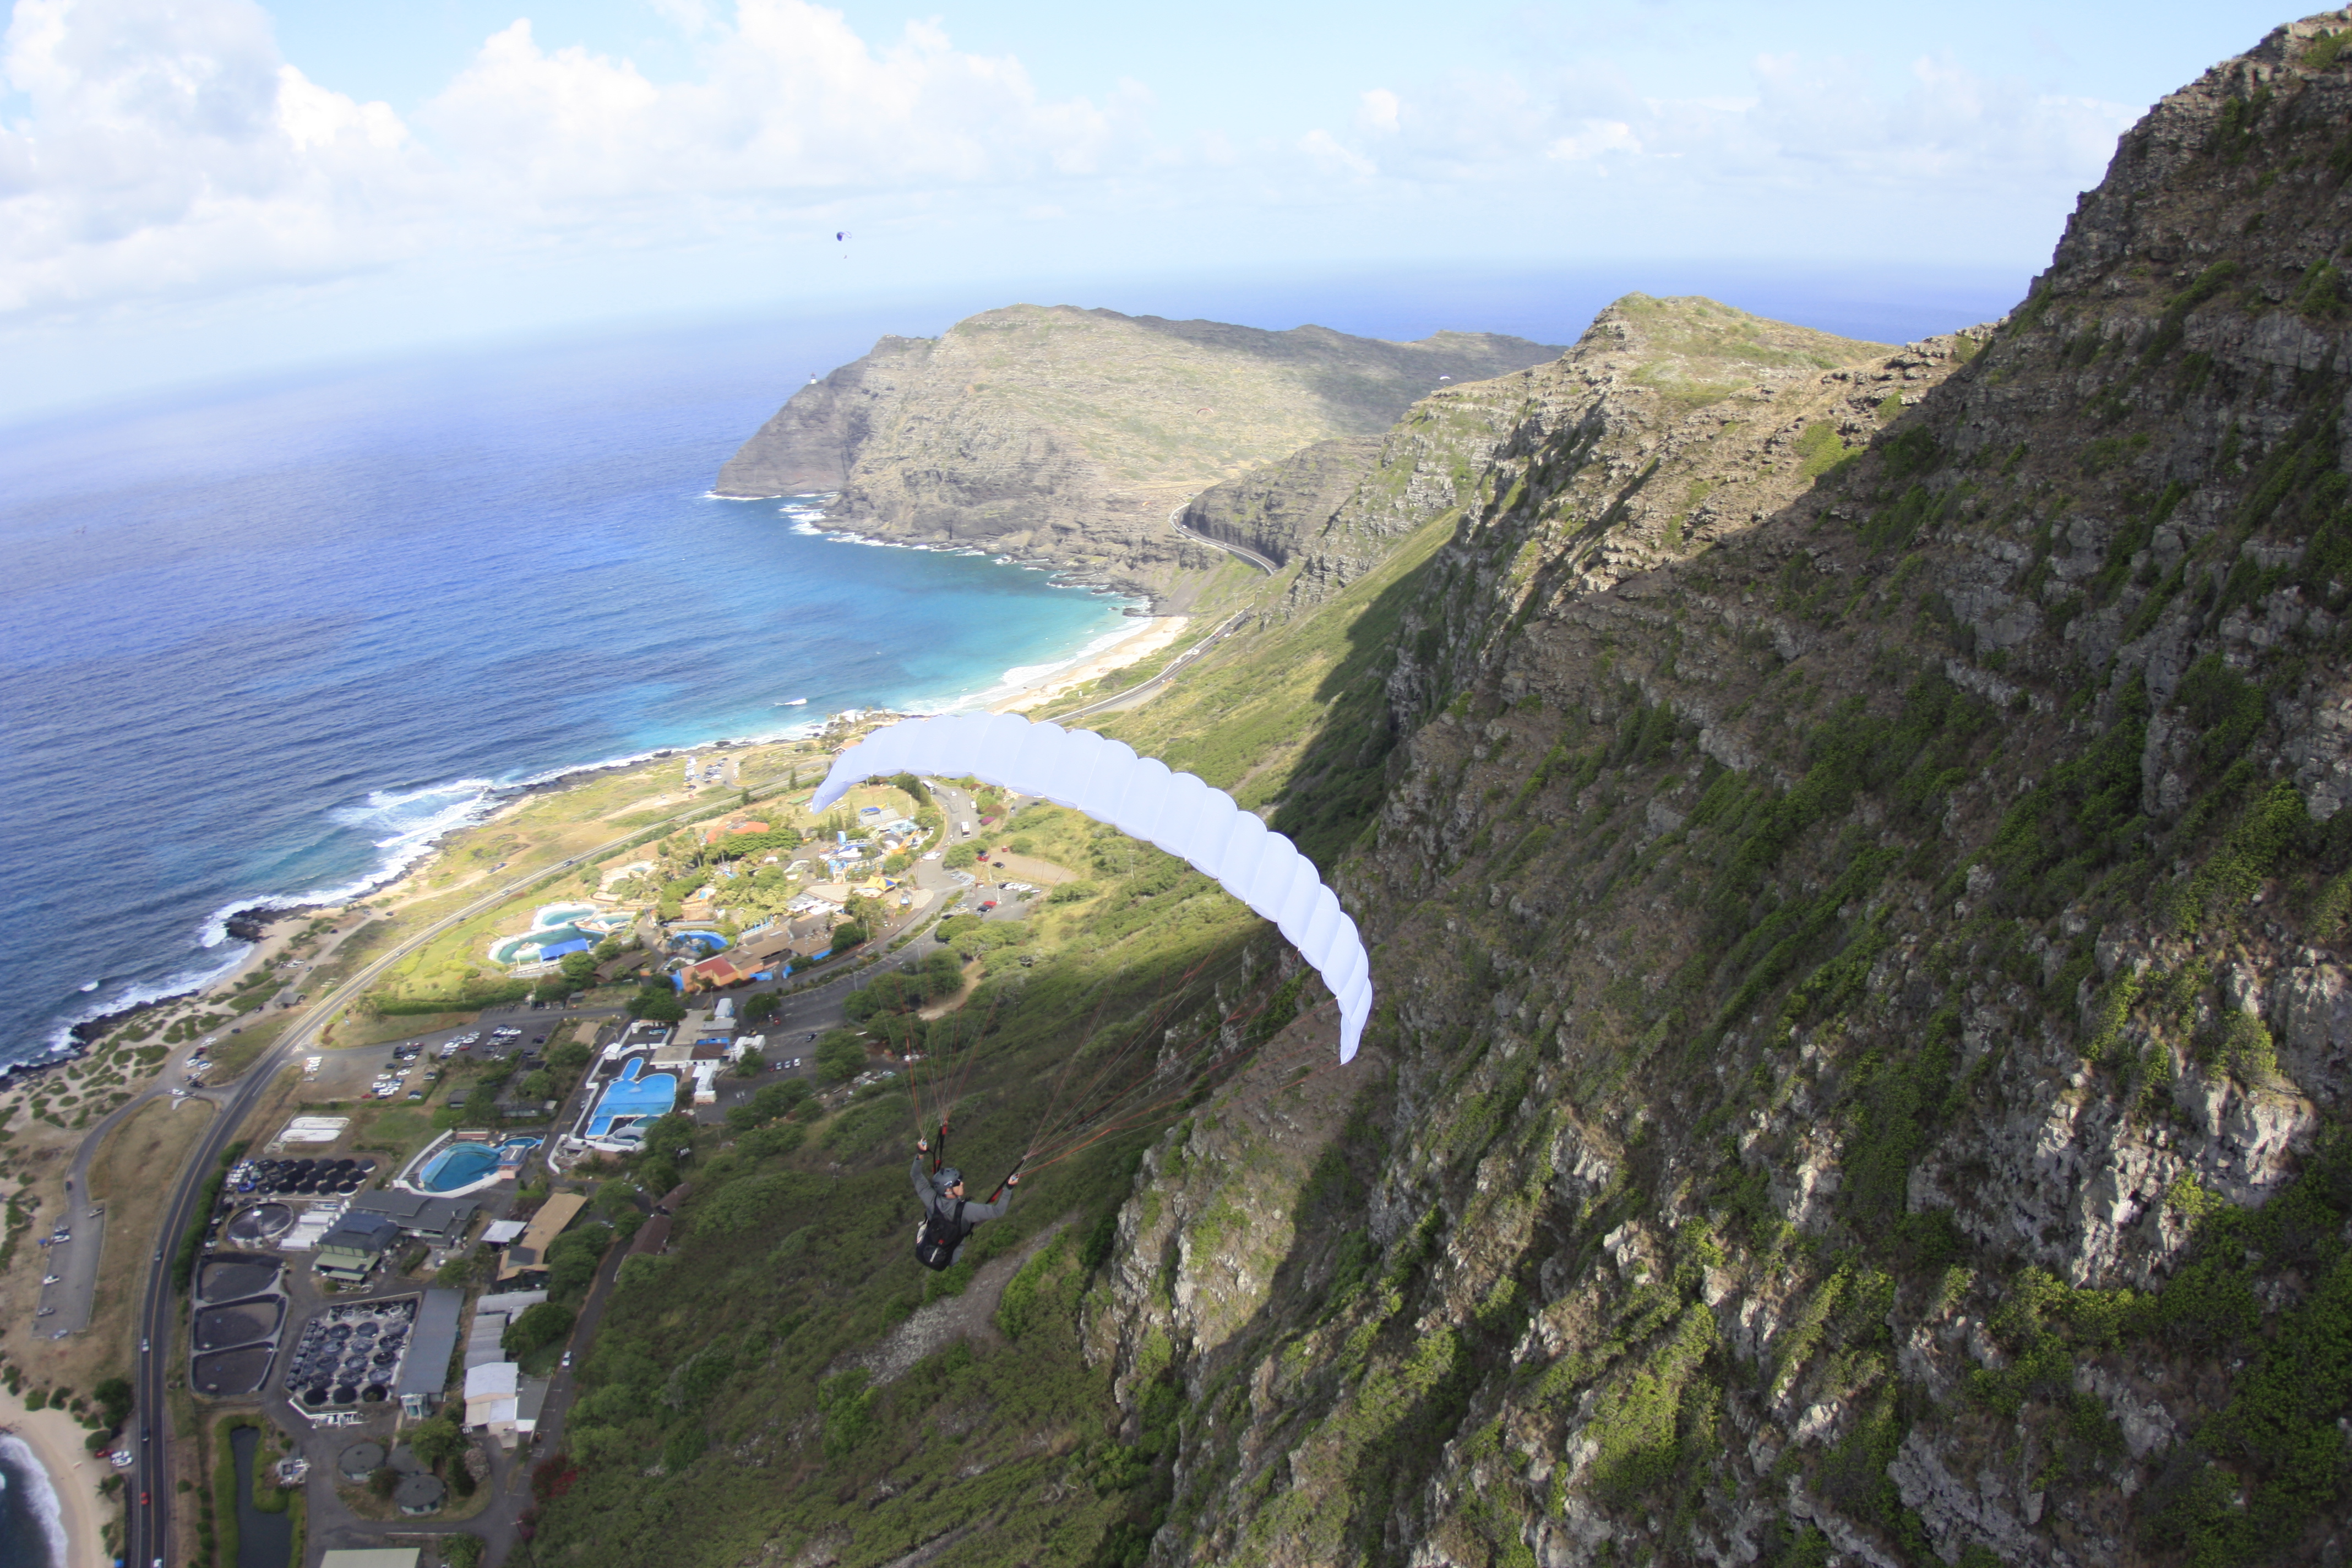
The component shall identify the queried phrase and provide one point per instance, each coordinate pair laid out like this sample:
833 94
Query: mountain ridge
1071 434
1865 966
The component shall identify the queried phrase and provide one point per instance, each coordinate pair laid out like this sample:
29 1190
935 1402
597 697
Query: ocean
32 1530
264 643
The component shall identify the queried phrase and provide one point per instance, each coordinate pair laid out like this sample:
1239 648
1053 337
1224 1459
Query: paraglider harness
944 1230
942 1233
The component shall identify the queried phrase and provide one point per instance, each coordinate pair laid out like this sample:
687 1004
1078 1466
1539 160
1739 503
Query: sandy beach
1157 634
55 1440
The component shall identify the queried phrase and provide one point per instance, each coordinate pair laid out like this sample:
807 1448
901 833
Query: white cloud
1814 123
164 151
791 103
169 151
1593 139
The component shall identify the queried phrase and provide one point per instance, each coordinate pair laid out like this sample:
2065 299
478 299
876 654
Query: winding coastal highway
1176 666
1243 551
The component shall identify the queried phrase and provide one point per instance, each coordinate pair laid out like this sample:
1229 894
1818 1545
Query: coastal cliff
1071 434
1881 1094
1852 841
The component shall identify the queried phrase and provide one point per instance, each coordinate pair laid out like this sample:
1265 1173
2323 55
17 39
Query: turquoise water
293 632
632 1098
463 1164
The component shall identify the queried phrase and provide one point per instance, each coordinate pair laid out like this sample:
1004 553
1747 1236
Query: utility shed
528 1255
439 1221
425 1369
348 1252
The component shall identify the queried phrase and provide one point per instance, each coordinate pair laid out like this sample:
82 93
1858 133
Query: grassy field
791 1256
549 829
235 1053
1277 705
157 1136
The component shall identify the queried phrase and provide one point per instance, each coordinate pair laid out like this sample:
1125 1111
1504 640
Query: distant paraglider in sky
1139 795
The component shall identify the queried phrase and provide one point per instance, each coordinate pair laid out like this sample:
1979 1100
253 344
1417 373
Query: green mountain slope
1854 863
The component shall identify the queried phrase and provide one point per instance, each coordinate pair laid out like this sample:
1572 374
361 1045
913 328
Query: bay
262 643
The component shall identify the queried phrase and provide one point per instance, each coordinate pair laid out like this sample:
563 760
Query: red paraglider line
1111 1116
1154 1017
1049 1124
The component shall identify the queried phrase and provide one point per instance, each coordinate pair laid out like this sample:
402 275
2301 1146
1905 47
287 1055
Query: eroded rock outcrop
1862 925
1071 434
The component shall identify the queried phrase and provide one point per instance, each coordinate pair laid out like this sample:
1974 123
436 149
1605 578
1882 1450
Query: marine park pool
635 1096
464 1167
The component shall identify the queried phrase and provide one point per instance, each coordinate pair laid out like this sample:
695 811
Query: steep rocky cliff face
1860 889
1072 435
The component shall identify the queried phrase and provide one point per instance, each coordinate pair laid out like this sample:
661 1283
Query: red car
989 905
143 1500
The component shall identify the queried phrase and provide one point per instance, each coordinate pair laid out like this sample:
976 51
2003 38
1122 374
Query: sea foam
25 1467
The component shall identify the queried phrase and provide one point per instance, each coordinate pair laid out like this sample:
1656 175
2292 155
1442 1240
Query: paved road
150 1521
1135 694
1243 551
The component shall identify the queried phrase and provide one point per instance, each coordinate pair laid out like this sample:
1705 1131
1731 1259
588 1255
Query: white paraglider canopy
1139 795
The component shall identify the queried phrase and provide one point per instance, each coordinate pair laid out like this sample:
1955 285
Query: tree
579 968
775 1099
572 1261
538 1085
848 934
440 1439
840 1056
570 1057
941 975
613 1198
657 1003
113 1396
760 1005
543 1323
752 1065
462 1550
383 1481
482 1104
959 855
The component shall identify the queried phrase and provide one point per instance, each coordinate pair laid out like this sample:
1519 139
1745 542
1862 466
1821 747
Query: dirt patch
1029 869
973 974
971 1316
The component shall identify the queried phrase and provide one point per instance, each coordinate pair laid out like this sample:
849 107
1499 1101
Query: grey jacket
975 1211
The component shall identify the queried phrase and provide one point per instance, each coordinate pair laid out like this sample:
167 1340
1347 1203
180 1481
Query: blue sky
197 188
